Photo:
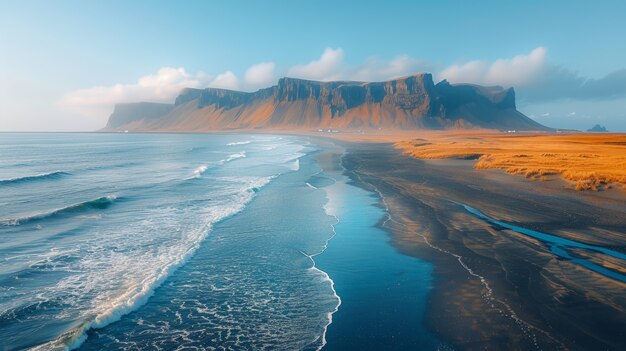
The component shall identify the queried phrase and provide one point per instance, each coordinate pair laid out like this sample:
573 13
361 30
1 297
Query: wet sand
496 288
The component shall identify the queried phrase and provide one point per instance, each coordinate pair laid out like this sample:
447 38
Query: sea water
194 241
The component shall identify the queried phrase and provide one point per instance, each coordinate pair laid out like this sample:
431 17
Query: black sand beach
496 288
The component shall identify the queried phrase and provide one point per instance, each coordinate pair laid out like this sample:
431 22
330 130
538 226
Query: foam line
239 143
325 276
236 156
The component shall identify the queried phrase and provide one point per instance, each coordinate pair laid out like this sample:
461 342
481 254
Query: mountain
412 102
597 128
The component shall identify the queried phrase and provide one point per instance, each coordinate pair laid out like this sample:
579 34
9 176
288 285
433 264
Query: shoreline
494 288
382 291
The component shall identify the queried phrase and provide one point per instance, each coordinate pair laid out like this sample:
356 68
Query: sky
64 64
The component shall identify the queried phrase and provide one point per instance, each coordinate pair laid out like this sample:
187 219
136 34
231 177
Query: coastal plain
592 161
498 288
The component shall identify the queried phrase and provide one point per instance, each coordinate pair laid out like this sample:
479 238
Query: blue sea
197 242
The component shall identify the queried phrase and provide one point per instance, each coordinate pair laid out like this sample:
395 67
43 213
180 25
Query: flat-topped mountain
412 102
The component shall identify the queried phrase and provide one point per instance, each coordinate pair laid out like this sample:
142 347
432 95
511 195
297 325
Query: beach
207 241
264 241
518 264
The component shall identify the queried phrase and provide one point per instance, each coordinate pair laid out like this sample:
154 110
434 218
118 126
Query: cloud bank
517 71
260 75
162 86
158 87
375 69
538 80
226 80
330 66
327 67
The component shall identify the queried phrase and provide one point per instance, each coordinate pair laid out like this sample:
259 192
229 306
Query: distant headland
406 103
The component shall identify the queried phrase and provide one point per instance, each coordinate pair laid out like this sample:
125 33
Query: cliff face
411 102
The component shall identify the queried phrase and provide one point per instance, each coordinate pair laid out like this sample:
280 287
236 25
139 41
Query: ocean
197 241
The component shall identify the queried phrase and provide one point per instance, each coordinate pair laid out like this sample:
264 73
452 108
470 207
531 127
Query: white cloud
327 67
260 75
162 86
535 79
330 66
226 80
375 69
518 71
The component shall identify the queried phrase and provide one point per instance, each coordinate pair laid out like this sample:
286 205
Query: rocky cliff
411 102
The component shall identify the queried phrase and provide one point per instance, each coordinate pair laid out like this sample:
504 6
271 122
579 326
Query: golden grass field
590 161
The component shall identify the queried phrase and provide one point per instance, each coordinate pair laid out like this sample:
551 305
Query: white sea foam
197 173
137 272
236 156
292 159
113 266
331 210
239 143
295 165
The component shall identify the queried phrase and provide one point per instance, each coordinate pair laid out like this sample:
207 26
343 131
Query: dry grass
590 161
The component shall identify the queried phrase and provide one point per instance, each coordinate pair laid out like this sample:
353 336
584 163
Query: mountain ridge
409 102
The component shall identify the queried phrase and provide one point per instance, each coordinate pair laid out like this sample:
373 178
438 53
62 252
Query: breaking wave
36 177
96 204
169 261
239 143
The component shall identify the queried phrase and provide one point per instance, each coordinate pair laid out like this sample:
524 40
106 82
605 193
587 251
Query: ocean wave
197 173
239 143
95 204
236 156
137 295
295 166
42 176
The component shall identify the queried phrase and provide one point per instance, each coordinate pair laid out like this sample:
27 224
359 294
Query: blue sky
64 64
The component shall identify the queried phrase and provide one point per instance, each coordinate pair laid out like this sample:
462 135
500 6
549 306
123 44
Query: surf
97 271
31 178
239 143
137 295
100 203
197 173
235 156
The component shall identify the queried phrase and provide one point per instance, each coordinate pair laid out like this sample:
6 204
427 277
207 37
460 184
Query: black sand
496 289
